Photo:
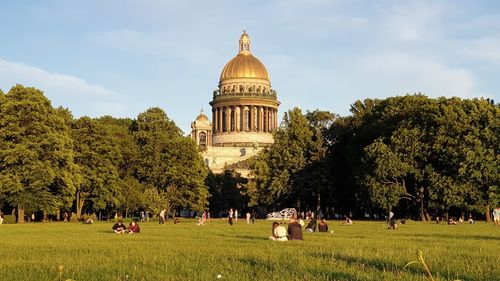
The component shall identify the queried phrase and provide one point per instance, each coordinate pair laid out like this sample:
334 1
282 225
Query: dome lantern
244 65
245 43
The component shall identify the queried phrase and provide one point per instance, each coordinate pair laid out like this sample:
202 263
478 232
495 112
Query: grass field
363 251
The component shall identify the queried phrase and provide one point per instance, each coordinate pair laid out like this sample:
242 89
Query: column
228 119
214 119
269 113
271 120
261 118
219 120
251 122
237 118
266 116
242 117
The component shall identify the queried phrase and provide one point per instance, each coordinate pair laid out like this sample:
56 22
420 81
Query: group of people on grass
119 227
232 216
294 230
279 233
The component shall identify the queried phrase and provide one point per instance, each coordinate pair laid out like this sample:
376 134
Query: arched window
203 139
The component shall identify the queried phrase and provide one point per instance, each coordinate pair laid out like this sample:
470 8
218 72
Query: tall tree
227 190
288 178
169 161
97 156
36 160
130 189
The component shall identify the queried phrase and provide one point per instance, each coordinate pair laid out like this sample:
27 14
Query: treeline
51 162
414 155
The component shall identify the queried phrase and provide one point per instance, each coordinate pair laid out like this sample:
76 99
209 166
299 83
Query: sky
121 57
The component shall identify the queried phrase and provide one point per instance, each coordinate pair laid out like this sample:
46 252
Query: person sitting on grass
294 230
278 233
347 221
471 220
311 226
133 227
200 221
323 226
452 222
119 227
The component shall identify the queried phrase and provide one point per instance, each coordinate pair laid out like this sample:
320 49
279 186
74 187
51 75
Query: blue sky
121 57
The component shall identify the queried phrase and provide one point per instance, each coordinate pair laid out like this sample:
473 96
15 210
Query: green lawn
363 251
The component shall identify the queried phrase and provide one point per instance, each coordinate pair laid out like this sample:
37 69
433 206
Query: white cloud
412 21
63 90
398 74
487 49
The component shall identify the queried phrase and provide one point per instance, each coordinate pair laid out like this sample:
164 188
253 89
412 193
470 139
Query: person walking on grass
496 217
161 217
230 217
248 217
236 215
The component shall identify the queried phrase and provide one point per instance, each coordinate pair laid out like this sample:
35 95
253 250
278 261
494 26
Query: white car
284 214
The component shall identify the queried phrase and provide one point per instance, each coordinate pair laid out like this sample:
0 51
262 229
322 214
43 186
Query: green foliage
36 159
447 146
294 168
227 190
168 161
96 155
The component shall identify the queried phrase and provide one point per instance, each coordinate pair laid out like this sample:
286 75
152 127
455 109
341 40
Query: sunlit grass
363 251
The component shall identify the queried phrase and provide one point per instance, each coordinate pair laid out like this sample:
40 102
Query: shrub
91 216
74 218
9 219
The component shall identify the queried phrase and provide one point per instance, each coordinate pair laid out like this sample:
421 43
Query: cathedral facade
244 114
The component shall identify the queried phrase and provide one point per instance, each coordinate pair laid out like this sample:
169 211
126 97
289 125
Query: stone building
244 114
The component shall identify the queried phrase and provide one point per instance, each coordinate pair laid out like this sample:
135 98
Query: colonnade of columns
244 118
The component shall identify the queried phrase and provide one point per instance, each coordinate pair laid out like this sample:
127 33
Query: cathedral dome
202 119
244 65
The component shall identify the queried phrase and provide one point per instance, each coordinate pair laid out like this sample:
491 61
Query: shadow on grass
326 274
246 237
257 264
376 264
454 236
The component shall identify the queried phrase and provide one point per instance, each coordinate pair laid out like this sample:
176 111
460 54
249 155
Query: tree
227 190
291 175
130 189
36 159
131 195
96 156
169 161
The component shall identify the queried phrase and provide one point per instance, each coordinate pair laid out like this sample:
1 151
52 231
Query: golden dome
244 65
201 121
202 118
